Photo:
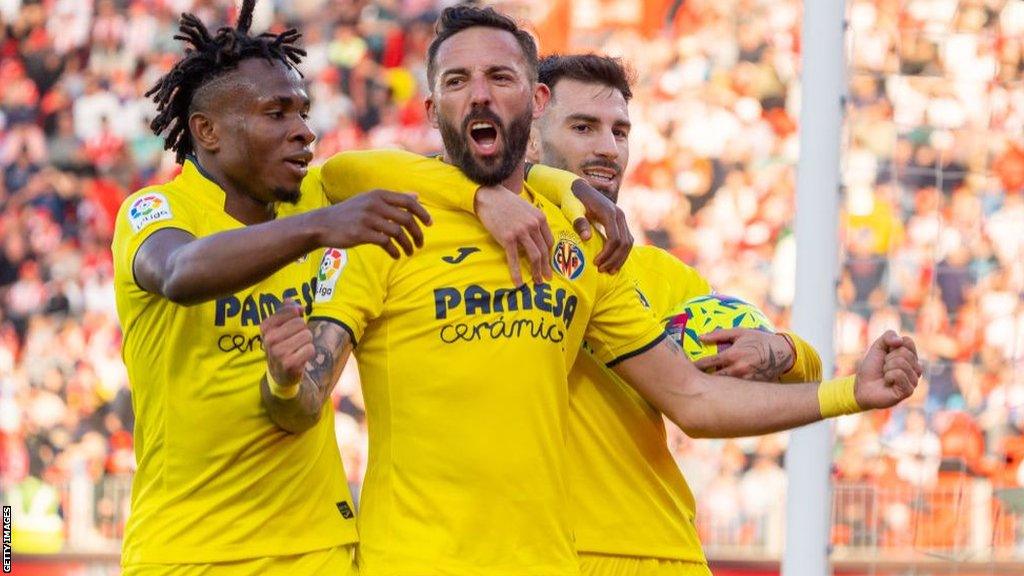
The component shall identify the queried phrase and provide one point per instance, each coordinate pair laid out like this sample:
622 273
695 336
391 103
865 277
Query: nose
606 145
303 133
479 92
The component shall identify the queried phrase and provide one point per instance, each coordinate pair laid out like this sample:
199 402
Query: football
702 315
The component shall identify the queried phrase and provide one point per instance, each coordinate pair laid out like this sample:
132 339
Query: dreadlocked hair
207 58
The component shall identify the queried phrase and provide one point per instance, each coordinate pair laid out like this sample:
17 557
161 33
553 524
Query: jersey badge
148 208
331 265
568 259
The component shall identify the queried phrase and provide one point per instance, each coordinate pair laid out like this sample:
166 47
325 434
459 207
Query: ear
431 107
533 146
541 96
203 128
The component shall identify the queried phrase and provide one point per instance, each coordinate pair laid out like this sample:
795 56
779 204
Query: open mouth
600 175
485 135
300 162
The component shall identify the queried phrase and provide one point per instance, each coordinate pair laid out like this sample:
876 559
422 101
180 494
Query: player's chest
462 292
232 323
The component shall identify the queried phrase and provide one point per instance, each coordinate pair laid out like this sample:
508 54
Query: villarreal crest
568 259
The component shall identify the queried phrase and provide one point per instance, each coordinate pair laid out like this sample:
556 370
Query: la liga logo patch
331 265
568 259
148 208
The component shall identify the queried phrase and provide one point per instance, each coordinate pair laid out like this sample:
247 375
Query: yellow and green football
703 315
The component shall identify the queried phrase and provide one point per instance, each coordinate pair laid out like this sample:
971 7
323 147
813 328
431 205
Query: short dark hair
589 68
455 19
207 58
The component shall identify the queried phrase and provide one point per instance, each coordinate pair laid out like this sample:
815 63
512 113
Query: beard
493 170
551 156
285 195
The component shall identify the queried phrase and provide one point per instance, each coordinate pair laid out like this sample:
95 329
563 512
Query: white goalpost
809 456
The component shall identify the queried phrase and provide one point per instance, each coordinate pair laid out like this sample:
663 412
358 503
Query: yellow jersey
465 382
629 497
217 481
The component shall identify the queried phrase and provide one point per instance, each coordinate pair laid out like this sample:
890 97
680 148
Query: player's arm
517 225
187 270
758 355
704 405
581 203
303 364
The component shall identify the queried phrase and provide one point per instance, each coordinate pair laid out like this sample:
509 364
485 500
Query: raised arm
581 203
304 363
187 270
706 406
517 225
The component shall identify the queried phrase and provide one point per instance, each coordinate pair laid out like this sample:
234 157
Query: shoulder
663 263
152 204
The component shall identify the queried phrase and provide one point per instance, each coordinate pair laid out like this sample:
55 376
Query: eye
453 82
304 114
503 78
276 114
621 134
581 128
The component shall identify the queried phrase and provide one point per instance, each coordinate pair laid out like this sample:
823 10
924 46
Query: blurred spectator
932 221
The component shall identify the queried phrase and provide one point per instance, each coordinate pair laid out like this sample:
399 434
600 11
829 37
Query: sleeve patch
331 265
147 209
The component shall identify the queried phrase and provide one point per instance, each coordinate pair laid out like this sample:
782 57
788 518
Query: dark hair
589 68
208 58
455 19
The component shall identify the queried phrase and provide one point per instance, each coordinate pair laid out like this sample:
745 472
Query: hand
748 353
515 224
377 217
889 372
288 343
600 209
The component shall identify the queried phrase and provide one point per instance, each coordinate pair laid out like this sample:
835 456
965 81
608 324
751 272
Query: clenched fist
889 372
288 343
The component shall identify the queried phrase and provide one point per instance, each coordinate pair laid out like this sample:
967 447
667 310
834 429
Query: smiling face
483 101
256 130
585 130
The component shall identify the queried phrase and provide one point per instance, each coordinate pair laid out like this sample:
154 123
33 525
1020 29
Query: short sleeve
620 325
141 215
351 286
806 365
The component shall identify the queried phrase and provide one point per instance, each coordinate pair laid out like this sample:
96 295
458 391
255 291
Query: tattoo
769 364
332 345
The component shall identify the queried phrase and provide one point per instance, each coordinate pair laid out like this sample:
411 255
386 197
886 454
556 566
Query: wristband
285 392
836 397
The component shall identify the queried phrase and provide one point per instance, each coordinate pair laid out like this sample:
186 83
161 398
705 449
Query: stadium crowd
932 223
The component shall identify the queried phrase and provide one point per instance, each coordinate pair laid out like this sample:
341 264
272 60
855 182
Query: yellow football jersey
217 481
629 497
465 382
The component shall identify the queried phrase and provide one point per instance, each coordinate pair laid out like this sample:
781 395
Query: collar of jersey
199 182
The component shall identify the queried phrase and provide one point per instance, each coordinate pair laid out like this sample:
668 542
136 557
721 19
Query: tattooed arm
707 406
305 362
750 354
